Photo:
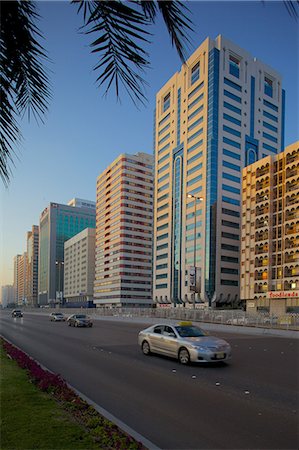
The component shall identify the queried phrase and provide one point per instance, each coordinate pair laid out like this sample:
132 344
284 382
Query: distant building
58 223
270 233
82 203
7 296
79 263
123 273
22 280
222 111
16 261
32 265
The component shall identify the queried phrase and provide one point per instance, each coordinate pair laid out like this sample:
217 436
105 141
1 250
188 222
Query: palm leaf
24 81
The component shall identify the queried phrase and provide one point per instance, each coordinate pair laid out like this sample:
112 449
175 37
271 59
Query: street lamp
200 199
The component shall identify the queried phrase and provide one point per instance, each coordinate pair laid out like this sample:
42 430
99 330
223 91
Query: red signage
283 294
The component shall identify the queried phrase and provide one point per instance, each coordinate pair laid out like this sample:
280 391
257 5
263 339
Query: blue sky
84 132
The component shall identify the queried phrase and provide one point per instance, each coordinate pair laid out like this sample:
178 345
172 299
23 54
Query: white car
57 317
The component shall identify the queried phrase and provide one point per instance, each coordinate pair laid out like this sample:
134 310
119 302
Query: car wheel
184 357
146 348
90 325
76 324
69 324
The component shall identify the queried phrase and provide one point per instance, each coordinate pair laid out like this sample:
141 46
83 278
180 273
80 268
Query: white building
221 112
124 217
79 264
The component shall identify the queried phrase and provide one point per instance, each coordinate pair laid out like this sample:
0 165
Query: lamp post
194 253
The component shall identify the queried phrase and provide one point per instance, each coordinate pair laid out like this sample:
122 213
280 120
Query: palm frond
24 81
178 24
292 8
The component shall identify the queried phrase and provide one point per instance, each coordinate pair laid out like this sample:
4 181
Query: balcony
292 200
292 214
262 171
292 186
291 228
291 243
292 171
291 258
261 276
261 262
260 210
291 157
260 249
261 223
262 197
263 236
261 288
292 271
263 184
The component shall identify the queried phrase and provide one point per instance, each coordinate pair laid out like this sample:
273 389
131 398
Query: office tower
22 279
79 263
270 229
58 223
123 272
32 265
221 112
7 295
16 277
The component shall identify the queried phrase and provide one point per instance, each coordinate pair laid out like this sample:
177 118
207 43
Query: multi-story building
7 295
123 272
79 263
58 223
32 265
16 277
22 280
221 112
270 233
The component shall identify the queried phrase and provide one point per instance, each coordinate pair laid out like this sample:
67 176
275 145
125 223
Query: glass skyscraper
58 223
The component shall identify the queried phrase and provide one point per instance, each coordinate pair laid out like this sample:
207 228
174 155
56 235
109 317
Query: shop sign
283 294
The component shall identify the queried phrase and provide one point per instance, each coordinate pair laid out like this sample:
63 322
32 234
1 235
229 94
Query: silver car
185 341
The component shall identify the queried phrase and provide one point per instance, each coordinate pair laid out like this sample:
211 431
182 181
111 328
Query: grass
31 419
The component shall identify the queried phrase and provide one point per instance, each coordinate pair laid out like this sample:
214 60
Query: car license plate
219 355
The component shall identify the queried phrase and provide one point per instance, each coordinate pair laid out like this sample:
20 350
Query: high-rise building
79 263
58 223
270 233
32 265
221 112
22 280
123 272
16 261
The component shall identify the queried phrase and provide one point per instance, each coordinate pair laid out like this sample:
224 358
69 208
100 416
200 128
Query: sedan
186 342
79 320
57 317
16 313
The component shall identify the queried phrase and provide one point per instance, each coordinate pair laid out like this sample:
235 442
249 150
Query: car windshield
81 316
190 331
58 314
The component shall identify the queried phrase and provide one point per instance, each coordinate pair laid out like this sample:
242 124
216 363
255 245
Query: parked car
79 320
57 317
185 341
16 313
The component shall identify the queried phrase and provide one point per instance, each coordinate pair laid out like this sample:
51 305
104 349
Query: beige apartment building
32 265
222 111
124 223
79 264
270 233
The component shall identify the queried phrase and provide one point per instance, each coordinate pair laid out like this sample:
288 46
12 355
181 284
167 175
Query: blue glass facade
212 163
176 259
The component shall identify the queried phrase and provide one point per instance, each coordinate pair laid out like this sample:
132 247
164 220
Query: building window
268 86
234 66
166 102
195 73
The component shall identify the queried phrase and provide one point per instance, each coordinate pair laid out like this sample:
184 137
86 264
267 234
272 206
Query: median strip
92 420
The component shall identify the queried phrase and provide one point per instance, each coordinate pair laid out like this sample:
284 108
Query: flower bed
104 432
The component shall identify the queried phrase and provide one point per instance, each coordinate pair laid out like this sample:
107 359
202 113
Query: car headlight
200 348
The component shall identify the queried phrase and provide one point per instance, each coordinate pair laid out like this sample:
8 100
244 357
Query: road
250 403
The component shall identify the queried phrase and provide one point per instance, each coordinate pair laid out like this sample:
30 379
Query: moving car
16 313
186 342
79 320
57 317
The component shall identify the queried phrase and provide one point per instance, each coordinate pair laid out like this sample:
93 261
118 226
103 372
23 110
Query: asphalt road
250 403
